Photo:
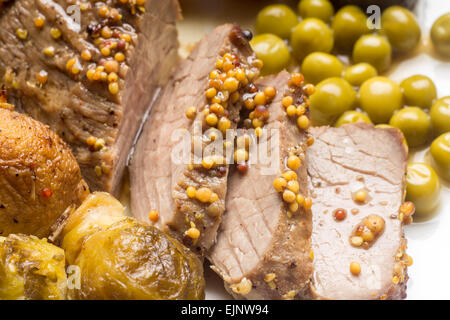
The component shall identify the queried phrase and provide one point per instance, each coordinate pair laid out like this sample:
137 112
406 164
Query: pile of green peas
359 93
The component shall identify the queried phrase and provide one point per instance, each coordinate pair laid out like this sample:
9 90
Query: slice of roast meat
263 249
357 181
159 179
89 70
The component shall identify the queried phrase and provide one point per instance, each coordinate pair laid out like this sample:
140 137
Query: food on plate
262 249
440 151
349 24
92 81
440 35
358 73
309 36
31 269
414 123
357 182
319 66
332 98
352 116
380 97
401 28
273 52
440 115
39 176
383 4
210 85
422 187
419 90
121 258
277 19
373 49
320 9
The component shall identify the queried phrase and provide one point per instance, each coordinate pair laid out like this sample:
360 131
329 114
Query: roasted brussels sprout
401 28
311 35
140 261
31 269
278 19
39 176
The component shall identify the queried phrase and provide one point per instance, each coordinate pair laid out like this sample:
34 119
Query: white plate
428 241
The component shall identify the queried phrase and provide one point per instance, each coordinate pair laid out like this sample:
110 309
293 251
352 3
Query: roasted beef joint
263 246
89 70
198 106
357 182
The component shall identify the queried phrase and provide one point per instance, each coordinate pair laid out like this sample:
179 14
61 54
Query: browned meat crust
45 68
258 241
158 182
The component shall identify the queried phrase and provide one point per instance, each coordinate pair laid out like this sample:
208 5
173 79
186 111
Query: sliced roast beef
158 180
90 71
357 181
263 249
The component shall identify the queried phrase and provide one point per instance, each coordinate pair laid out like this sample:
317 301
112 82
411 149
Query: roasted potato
39 176
31 268
121 258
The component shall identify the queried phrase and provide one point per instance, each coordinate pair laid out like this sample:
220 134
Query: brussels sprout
31 269
141 261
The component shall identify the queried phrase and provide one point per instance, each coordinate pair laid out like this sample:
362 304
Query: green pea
272 51
349 24
440 151
309 36
318 66
358 73
440 35
277 19
379 97
414 123
352 117
373 49
320 9
422 187
418 90
440 115
401 28
332 97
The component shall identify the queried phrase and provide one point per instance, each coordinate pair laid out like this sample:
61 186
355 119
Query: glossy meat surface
78 106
